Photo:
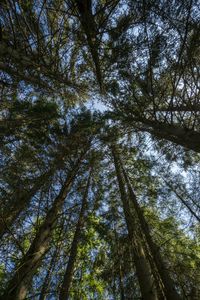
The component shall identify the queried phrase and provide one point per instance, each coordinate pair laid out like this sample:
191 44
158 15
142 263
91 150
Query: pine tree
99 149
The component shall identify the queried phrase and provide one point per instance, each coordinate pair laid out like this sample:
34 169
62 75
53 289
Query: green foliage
139 62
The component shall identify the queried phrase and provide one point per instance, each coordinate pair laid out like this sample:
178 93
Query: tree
99 149
142 265
65 288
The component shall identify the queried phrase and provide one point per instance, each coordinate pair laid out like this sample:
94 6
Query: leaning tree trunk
142 266
17 287
65 288
187 138
169 287
176 134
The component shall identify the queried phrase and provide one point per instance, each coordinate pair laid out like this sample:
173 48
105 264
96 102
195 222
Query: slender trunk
168 283
121 284
90 28
195 293
157 280
143 269
46 282
114 294
17 287
119 263
65 288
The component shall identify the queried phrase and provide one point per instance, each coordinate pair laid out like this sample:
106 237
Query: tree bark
168 283
90 28
143 269
121 284
46 282
65 288
17 287
187 138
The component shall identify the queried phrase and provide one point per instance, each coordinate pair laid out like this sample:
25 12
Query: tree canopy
100 149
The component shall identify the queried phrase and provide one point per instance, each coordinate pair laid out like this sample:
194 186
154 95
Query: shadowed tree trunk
65 288
121 284
143 269
47 278
120 270
187 138
17 286
90 28
176 134
11 212
168 283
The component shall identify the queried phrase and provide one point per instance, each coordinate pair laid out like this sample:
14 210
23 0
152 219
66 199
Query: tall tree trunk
176 134
119 263
168 283
143 269
65 288
121 284
90 28
17 287
46 282
187 138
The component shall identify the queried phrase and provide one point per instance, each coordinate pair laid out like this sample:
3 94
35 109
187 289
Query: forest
99 150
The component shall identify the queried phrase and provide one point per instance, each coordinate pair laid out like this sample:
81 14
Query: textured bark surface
90 28
46 282
143 269
189 139
176 134
17 287
168 283
65 288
